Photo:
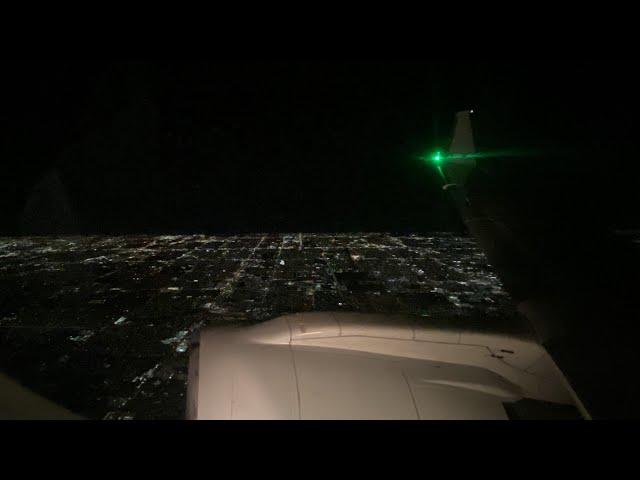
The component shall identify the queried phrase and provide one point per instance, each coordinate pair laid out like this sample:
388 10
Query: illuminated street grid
103 325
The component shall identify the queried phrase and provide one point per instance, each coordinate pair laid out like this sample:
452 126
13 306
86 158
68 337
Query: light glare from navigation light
437 158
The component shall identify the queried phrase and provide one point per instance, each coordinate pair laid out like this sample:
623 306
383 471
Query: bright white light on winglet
470 111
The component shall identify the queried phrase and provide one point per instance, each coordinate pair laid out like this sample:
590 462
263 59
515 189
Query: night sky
265 146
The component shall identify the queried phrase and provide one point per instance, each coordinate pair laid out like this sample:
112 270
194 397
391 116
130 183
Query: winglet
461 159
462 142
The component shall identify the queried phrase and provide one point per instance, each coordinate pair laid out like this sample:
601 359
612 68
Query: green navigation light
437 158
